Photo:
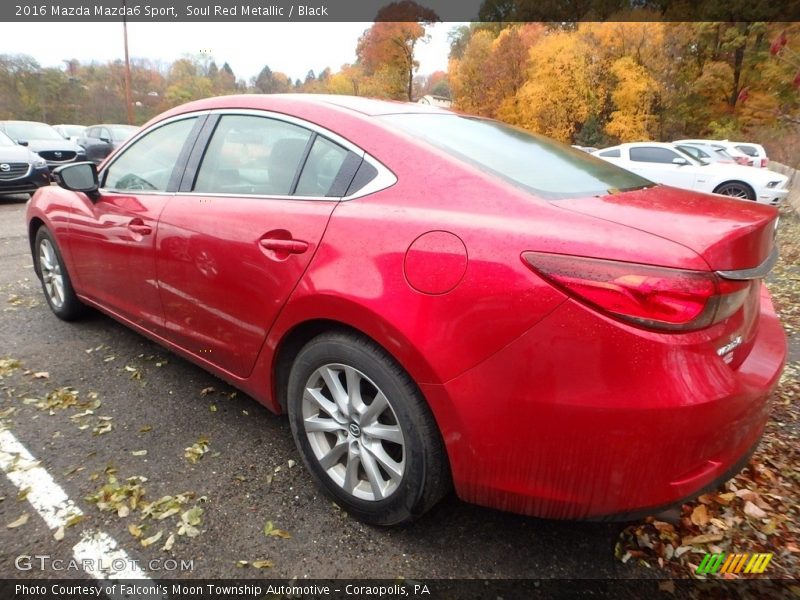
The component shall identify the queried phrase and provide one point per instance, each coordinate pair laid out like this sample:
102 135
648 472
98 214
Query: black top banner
398 10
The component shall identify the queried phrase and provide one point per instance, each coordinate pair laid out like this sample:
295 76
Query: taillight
764 162
653 297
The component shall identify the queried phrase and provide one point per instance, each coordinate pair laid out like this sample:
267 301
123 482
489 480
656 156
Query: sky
292 48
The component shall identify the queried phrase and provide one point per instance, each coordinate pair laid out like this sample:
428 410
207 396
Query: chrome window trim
758 272
133 140
383 180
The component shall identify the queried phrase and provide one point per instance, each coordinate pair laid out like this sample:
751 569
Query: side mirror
679 161
105 140
22 142
78 177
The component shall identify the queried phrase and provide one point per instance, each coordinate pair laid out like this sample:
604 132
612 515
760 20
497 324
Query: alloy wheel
353 432
52 277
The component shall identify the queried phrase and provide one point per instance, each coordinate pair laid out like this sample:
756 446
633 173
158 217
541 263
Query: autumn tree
386 51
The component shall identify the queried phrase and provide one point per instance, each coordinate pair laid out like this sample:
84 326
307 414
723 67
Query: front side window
252 155
148 164
611 153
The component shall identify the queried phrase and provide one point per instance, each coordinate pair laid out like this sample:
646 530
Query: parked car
708 153
754 151
70 132
668 164
739 156
21 171
428 308
44 140
100 140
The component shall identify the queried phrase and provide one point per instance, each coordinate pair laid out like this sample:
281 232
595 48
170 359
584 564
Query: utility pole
128 99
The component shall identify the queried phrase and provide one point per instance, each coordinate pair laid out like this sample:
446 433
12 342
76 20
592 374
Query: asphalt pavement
139 407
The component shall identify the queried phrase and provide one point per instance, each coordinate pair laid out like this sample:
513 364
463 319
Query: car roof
278 102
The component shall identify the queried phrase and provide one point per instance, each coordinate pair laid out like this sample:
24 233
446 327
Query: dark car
100 140
44 141
21 171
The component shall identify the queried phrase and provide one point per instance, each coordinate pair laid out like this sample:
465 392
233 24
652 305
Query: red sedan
435 300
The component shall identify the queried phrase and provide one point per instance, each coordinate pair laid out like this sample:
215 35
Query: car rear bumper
617 421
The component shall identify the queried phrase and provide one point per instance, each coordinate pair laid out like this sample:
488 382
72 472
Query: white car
667 164
743 153
754 151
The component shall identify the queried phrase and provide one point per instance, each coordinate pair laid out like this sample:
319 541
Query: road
250 473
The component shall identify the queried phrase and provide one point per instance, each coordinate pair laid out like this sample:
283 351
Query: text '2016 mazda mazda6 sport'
435 300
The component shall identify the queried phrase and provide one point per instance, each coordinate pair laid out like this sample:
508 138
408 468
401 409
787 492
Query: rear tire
364 430
736 189
56 283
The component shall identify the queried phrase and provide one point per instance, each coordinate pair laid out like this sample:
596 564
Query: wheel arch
292 340
33 228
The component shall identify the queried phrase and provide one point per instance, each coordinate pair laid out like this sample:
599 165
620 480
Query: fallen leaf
701 539
169 543
242 563
271 530
151 540
135 530
41 375
139 453
751 510
59 534
23 494
74 520
19 522
700 515
263 564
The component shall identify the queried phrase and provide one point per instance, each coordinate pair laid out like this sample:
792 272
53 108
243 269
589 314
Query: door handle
288 246
138 226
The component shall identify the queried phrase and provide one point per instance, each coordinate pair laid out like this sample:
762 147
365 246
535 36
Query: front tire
736 189
364 430
56 283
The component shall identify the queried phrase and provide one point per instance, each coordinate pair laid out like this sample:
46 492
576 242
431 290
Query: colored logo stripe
734 563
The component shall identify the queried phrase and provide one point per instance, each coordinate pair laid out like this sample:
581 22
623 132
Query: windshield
23 130
692 159
5 140
120 134
534 162
71 130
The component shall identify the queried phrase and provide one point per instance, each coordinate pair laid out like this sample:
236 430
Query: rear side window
322 166
611 153
536 163
147 165
252 155
749 150
653 154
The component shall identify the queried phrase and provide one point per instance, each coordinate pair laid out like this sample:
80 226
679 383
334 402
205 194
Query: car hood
43 145
729 234
15 154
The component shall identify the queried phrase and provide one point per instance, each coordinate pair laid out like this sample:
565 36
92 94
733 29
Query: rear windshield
23 130
534 162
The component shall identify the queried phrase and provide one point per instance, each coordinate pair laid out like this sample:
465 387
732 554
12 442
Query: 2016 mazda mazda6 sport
435 300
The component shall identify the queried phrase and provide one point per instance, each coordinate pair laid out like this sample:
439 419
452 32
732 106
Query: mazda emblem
58 154
5 167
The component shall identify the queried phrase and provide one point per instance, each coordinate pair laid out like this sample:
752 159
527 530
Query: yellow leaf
700 516
151 540
135 530
263 564
19 522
